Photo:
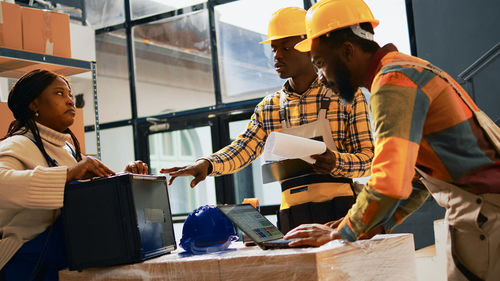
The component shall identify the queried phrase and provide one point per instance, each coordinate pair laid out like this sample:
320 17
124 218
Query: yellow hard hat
286 22
329 15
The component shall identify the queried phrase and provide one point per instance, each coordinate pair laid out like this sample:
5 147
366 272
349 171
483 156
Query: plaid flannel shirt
419 119
349 123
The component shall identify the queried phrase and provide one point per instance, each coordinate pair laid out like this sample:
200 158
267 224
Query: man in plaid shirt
302 95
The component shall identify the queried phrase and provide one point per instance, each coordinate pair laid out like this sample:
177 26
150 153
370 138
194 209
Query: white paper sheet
281 146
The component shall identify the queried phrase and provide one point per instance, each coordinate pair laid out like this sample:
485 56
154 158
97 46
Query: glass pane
104 13
167 149
248 182
90 144
186 145
246 67
83 91
183 198
116 154
141 8
174 66
113 90
393 27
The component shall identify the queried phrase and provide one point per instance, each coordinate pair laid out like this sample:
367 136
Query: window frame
217 117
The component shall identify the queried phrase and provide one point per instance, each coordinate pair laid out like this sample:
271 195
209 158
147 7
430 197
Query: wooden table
384 257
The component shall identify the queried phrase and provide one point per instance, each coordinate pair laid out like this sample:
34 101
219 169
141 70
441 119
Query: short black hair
337 37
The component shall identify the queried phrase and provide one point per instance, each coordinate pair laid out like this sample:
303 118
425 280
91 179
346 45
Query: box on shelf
46 32
10 26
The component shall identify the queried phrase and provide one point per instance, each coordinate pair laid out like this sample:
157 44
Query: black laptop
256 226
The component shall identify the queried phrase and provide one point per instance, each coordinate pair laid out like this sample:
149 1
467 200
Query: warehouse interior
170 81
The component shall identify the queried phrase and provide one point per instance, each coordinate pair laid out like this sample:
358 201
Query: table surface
394 253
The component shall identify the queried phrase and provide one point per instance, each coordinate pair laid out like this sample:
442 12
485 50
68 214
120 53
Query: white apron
473 242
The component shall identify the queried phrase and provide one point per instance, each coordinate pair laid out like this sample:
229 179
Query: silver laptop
255 225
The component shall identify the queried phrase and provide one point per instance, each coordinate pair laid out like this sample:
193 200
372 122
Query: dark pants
313 212
38 259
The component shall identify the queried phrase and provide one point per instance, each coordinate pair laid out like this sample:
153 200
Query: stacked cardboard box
10 26
46 32
34 30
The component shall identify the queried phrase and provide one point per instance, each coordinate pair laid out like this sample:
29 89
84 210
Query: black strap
314 212
325 103
52 160
282 114
310 179
464 270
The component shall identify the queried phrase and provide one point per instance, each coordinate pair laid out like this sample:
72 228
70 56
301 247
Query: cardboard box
46 32
10 26
382 258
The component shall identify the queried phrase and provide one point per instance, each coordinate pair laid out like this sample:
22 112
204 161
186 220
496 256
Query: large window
248 182
174 81
116 154
104 13
176 149
142 8
393 27
113 89
173 63
246 67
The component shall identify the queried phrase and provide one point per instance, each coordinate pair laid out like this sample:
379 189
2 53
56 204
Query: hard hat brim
304 45
266 41
280 37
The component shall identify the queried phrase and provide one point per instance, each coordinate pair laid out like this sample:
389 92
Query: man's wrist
209 164
334 235
336 168
210 168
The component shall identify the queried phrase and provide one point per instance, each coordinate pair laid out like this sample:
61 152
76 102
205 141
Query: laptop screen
153 213
253 223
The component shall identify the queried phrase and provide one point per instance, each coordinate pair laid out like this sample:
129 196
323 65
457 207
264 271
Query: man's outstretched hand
199 170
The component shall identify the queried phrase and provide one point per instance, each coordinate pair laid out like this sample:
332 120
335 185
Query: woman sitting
38 156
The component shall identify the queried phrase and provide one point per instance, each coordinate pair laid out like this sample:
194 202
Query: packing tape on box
49 47
47 33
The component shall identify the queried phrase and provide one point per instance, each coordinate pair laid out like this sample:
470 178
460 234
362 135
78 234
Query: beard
343 84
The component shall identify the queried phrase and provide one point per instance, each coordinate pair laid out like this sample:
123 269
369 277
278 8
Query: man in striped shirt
303 93
421 121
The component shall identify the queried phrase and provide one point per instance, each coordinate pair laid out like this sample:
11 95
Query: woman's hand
88 168
137 167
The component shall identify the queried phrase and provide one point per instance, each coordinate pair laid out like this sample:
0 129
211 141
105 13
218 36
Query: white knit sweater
31 193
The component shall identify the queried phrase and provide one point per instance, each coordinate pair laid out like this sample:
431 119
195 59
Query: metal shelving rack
15 63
